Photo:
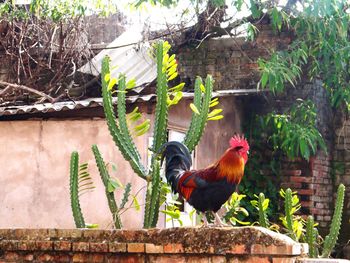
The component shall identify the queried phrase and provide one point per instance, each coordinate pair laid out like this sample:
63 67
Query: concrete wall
34 166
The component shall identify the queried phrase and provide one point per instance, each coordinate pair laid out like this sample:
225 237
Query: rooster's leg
218 221
205 221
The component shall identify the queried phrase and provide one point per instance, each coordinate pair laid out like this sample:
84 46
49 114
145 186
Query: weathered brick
62 245
217 259
98 247
197 259
45 257
8 245
173 248
136 247
27 245
116 247
44 245
167 258
97 257
300 179
132 258
12 256
238 250
251 259
28 257
294 249
80 246
306 192
81 257
151 248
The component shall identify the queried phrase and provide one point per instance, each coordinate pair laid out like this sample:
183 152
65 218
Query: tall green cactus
166 71
80 183
311 236
198 121
288 207
263 204
332 237
74 192
119 130
113 207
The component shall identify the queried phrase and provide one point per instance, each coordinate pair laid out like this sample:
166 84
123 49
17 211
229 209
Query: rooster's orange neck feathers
231 165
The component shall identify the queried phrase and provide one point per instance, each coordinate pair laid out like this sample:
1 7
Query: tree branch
22 87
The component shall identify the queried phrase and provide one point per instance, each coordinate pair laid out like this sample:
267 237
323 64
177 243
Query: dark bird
205 189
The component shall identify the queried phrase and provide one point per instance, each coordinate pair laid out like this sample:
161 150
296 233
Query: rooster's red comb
239 141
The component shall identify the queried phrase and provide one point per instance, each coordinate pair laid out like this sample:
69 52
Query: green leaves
235 212
295 133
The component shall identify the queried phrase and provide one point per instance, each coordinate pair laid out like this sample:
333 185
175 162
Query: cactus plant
261 204
332 237
288 206
166 97
311 237
293 223
113 207
80 183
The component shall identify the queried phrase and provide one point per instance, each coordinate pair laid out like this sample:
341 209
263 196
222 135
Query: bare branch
22 87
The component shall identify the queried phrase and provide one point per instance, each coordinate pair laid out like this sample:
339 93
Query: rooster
205 189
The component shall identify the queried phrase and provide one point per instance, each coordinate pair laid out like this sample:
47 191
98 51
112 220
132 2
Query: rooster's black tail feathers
177 161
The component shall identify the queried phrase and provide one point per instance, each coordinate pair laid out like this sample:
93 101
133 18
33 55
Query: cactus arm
159 137
288 212
195 120
105 178
194 137
161 112
112 124
310 236
74 191
121 108
263 221
332 237
125 196
154 207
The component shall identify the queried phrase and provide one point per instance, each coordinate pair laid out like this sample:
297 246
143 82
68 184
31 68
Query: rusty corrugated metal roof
97 102
131 59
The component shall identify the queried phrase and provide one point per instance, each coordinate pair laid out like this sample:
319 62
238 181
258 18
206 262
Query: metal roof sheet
131 59
96 102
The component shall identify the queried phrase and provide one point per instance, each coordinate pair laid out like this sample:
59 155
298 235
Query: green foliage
235 212
281 67
58 10
294 132
106 181
80 183
171 204
261 205
332 237
321 49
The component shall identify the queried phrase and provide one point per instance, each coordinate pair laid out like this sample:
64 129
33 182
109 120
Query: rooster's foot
218 222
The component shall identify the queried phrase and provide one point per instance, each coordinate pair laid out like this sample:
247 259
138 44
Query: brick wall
244 244
341 165
232 62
